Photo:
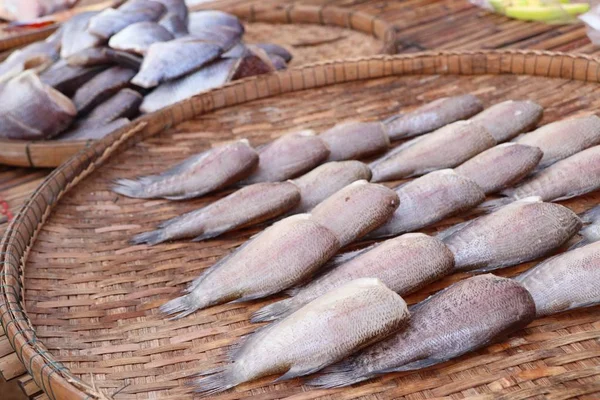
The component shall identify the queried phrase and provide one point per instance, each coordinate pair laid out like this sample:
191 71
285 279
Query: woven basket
79 303
314 33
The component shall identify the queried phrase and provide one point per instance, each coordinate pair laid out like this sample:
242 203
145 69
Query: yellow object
546 13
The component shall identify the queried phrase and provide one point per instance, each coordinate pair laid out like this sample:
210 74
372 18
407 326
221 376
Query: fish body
324 331
429 199
501 166
278 62
124 104
211 20
138 37
562 139
283 255
567 281
356 210
403 264
101 87
275 49
177 8
248 206
518 232
433 116
96 56
446 147
506 120
111 21
198 175
174 25
30 109
66 78
464 317
289 156
82 131
75 37
355 140
37 56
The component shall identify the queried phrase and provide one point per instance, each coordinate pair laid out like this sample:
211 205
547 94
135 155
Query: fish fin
442 235
150 238
419 364
490 206
181 306
187 196
130 188
272 311
297 371
219 381
337 375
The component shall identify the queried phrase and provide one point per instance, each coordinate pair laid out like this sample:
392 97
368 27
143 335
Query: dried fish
433 116
518 232
562 139
446 147
37 57
27 10
468 315
198 175
506 120
30 109
104 56
177 8
137 38
354 140
501 166
324 331
66 78
211 20
429 199
404 264
356 210
111 21
278 62
124 104
254 62
75 37
101 87
275 49
247 206
289 156
175 25
281 256
90 132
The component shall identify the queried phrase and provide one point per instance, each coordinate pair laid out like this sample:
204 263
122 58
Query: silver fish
356 210
324 331
177 8
30 109
96 56
89 132
275 49
111 21
501 166
165 61
124 104
278 62
137 38
174 24
354 140
281 256
506 120
37 56
518 232
571 177
404 264
429 199
567 281
446 147
289 156
101 87
248 206
75 36
198 175
211 20
66 78
466 316
433 116
562 139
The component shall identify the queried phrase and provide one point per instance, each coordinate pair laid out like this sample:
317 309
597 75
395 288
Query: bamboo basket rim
252 13
54 378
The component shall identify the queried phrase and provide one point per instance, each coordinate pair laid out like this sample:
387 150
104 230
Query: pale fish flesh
324 331
101 87
281 256
211 20
468 315
501 166
404 264
124 104
90 132
354 140
111 21
198 175
66 78
32 110
506 120
104 56
278 62
562 139
177 8
138 37
518 232
433 116
175 25
75 36
446 147
37 57
429 199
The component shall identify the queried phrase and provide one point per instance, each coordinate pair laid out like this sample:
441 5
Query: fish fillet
75 37
506 120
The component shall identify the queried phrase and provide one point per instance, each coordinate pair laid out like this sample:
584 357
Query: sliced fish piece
124 104
198 175
355 140
403 264
177 8
275 49
468 315
75 36
32 110
356 210
562 139
111 21
37 57
248 206
501 166
175 25
447 147
166 61
210 20
66 78
101 87
506 120
90 132
254 62
571 177
137 38
433 116
283 255
567 281
429 199
518 232
104 56
289 156
324 331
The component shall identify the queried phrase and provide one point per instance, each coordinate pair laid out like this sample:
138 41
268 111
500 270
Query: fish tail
335 376
150 238
181 306
590 233
215 381
130 188
493 205
273 311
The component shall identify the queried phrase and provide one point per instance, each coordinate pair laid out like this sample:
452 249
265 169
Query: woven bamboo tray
79 304
314 33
